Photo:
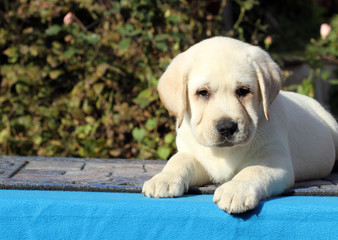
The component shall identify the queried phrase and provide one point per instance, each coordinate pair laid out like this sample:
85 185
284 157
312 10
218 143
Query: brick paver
112 175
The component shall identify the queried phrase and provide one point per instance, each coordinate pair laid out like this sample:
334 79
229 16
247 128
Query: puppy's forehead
217 70
218 62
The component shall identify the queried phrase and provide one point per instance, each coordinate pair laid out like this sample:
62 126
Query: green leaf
138 134
162 46
136 32
325 75
145 93
151 124
98 87
101 69
148 142
161 37
87 108
93 38
34 51
169 138
144 98
25 121
69 52
124 44
12 53
55 74
3 37
334 81
53 30
83 131
21 88
143 102
4 134
163 152
37 139
125 29
174 18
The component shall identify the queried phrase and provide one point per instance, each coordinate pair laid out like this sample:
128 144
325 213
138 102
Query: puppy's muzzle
226 128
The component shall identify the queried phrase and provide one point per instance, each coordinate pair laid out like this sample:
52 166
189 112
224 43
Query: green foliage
327 49
87 87
306 87
324 48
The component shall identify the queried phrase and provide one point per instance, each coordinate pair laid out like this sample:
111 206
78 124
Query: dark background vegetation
88 88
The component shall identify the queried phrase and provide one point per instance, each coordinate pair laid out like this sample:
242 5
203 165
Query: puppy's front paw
236 196
165 185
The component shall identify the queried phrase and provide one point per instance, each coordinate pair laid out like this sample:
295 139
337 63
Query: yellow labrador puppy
236 128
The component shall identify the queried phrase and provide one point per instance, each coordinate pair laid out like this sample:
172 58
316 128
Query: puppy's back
312 134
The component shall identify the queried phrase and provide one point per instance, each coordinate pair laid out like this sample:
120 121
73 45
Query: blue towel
97 215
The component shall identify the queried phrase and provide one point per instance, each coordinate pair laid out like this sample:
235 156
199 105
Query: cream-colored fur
236 128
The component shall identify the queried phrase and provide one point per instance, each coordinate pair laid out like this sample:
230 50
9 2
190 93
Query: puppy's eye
203 93
243 91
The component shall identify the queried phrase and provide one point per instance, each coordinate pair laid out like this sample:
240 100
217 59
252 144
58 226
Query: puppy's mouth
231 143
224 143
237 139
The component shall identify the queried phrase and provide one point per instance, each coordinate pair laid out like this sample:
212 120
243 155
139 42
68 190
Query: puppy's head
221 87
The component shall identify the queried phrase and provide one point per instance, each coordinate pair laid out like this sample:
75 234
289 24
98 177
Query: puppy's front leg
253 184
181 171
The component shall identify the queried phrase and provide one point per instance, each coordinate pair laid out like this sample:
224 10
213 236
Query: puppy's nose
226 128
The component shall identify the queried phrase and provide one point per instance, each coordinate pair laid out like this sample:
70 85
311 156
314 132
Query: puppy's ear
269 77
172 87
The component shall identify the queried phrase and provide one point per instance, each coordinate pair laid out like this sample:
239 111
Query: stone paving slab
112 175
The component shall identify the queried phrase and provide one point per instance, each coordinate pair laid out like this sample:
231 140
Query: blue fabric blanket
94 215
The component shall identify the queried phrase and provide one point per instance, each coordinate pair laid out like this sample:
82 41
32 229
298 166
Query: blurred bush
78 78
84 83
325 51
326 47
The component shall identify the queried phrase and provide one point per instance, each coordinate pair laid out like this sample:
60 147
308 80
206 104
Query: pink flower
68 19
325 30
268 42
